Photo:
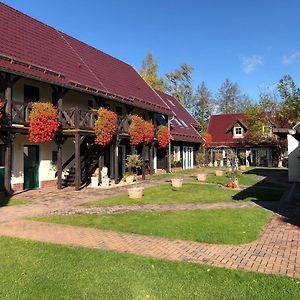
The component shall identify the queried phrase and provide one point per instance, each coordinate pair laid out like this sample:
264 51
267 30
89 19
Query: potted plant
242 158
201 177
129 177
133 163
234 175
95 178
163 136
219 173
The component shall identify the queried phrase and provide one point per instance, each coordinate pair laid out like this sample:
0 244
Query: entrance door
31 167
185 157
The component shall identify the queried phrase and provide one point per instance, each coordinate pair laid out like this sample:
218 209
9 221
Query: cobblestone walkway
277 251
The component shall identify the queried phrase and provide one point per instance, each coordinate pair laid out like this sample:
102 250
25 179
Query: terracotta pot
129 179
243 168
219 173
201 177
176 182
136 193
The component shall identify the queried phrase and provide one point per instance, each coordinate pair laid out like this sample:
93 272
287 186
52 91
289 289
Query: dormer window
238 132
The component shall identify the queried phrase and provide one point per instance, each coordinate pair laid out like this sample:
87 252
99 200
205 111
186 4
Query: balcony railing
73 118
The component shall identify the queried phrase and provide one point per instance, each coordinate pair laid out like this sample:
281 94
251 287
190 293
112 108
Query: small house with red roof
229 133
39 63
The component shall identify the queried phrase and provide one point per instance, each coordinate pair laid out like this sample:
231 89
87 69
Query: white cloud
289 59
250 63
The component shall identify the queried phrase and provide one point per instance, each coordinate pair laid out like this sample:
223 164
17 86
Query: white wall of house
294 158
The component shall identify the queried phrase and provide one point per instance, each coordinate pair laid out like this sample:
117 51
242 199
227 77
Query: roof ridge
76 53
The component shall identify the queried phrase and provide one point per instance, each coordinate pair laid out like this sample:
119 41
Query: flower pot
176 182
201 177
219 173
136 193
129 179
243 168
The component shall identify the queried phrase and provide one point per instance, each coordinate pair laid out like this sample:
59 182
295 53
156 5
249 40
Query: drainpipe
170 147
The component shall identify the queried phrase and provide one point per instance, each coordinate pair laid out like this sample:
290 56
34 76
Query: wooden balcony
70 119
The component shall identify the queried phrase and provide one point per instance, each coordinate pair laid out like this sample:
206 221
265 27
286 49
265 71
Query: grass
190 193
5 201
244 179
174 174
233 226
32 270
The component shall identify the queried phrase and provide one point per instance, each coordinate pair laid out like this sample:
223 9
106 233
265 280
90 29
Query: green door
31 167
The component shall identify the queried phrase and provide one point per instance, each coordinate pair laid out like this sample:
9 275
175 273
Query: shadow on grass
277 181
4 201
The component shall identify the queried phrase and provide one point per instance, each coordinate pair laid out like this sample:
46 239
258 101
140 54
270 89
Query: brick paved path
277 251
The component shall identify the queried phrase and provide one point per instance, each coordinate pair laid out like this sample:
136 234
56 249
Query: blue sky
249 41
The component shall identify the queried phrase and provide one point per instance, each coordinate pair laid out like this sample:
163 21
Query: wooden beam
59 165
144 162
151 159
77 162
8 157
116 162
100 165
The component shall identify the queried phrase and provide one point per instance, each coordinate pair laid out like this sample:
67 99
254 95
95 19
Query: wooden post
59 165
168 160
151 159
77 162
8 144
100 166
116 162
144 163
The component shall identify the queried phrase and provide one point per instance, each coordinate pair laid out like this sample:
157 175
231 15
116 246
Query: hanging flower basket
105 126
163 136
1 110
140 131
148 132
43 123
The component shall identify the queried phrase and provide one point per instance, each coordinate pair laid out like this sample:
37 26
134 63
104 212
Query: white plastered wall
294 159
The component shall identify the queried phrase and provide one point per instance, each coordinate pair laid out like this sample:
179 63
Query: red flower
105 126
1 109
140 131
163 136
43 123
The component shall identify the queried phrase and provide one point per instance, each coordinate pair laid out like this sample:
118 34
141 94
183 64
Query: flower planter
129 179
219 173
177 183
136 193
243 168
201 177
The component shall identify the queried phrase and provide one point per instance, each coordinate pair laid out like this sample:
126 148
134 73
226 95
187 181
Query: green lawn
4 201
225 226
32 270
190 193
245 179
174 174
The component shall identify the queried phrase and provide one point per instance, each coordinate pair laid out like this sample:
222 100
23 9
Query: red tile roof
33 49
220 129
183 122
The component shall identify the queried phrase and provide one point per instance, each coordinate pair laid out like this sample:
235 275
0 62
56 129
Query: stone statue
104 178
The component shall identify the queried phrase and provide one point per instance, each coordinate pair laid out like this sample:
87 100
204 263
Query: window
238 132
31 93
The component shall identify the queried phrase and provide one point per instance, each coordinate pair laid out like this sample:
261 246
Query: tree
228 97
243 103
179 85
290 95
203 105
149 72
